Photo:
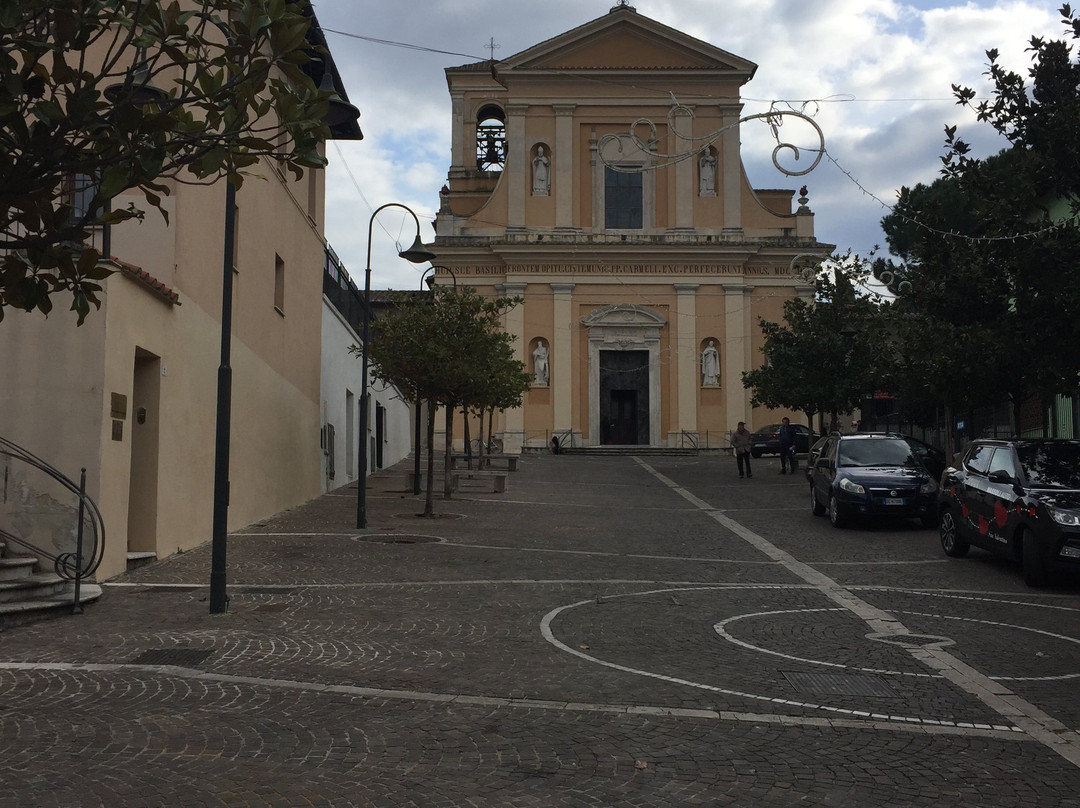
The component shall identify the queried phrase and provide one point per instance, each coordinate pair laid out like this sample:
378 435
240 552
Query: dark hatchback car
767 440
1018 498
871 474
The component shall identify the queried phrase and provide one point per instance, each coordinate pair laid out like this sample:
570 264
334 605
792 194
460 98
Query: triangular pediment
626 40
623 315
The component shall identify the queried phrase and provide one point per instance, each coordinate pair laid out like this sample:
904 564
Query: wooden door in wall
624 397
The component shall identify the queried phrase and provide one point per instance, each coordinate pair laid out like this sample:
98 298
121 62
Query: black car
871 474
767 440
1019 498
932 458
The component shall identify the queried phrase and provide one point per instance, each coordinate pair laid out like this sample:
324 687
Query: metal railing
75 554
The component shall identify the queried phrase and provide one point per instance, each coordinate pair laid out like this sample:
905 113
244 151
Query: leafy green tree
820 358
100 97
450 351
986 277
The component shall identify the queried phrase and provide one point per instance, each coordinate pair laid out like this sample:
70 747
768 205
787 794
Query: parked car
871 474
1018 498
767 440
932 458
812 455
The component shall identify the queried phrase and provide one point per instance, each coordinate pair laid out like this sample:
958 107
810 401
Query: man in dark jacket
787 447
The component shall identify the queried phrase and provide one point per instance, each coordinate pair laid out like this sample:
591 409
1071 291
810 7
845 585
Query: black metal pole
361 482
416 254
219 600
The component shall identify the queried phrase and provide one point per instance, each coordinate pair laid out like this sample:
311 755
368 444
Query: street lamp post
417 254
340 112
425 280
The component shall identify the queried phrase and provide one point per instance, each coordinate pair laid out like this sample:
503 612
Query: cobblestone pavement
608 632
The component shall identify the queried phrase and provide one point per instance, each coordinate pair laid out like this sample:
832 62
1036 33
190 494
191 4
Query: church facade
644 257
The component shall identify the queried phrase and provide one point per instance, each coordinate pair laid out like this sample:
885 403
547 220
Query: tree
104 96
818 359
451 351
985 267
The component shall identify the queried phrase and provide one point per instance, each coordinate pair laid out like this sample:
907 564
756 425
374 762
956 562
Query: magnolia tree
100 97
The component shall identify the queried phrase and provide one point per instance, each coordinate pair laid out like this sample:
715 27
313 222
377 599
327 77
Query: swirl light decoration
658 159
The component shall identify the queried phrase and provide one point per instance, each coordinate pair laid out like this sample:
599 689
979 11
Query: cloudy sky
877 76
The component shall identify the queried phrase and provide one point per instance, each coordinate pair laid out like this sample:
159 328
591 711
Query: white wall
340 378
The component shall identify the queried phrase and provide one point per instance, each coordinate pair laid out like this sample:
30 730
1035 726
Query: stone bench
493 479
510 461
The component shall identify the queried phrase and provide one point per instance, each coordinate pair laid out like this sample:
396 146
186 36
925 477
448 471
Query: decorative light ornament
774 118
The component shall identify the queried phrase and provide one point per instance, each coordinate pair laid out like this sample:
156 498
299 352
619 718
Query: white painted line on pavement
1027 716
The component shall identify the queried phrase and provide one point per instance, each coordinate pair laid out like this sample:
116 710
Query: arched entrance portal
624 374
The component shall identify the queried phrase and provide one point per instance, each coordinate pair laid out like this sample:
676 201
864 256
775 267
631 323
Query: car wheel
755 453
815 507
951 541
1032 559
837 518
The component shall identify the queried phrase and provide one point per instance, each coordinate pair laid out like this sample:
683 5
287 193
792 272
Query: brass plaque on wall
119 405
117 430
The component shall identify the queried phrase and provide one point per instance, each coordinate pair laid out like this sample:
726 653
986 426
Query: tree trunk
950 437
467 438
429 500
448 489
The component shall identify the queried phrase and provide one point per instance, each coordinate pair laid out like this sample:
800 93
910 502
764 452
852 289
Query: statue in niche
710 365
707 169
541 173
540 364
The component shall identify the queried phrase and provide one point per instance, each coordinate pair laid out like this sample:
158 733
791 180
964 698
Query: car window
978 458
1002 460
884 452
1051 465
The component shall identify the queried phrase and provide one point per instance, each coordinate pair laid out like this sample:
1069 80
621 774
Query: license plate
759 445
890 501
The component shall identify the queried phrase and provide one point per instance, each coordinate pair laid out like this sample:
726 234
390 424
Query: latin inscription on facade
627 269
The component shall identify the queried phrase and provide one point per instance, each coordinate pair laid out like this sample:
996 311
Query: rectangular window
279 284
622 199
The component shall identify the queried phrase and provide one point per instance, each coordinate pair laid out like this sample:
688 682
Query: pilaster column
561 356
564 165
517 159
685 187
731 163
736 351
514 323
687 355
457 132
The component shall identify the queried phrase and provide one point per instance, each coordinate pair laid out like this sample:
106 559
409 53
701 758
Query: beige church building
644 256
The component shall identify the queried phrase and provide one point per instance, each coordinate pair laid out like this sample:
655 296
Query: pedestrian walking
787 447
740 442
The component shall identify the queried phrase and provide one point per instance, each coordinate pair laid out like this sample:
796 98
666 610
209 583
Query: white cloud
894 61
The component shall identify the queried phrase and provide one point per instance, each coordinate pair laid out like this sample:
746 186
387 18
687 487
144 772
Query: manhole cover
398 538
172 656
839 684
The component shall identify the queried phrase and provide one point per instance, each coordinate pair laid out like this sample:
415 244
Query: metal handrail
80 562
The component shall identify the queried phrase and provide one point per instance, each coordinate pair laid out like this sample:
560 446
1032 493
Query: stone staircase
27 593
643 451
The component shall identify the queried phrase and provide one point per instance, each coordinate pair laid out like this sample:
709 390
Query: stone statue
710 365
540 364
541 174
707 168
